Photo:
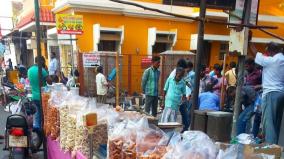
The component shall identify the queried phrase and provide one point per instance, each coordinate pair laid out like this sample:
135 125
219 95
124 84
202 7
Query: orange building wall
135 36
151 1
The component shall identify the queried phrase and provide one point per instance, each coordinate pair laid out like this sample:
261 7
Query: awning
28 21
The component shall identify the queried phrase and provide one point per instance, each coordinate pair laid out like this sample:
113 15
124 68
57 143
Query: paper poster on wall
91 60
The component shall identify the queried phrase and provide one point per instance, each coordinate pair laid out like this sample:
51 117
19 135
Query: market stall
78 127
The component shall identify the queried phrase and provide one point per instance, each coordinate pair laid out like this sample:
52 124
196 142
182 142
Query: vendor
34 83
102 85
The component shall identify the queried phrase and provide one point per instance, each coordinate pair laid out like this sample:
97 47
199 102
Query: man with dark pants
185 107
249 94
189 79
273 89
34 82
150 82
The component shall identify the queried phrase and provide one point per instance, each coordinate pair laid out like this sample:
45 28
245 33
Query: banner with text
91 60
69 24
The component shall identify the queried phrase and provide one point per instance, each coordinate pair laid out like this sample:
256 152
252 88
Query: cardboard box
250 151
266 149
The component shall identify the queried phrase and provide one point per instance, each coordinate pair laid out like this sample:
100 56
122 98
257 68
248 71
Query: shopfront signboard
215 4
91 60
239 12
69 24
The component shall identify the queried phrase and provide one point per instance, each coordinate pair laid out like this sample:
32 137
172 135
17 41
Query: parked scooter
19 135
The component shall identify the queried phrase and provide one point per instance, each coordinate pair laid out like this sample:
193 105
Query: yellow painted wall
151 1
135 36
271 7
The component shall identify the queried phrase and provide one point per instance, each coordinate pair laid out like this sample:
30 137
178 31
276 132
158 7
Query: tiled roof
45 16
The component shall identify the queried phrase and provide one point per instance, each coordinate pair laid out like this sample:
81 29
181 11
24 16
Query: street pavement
5 154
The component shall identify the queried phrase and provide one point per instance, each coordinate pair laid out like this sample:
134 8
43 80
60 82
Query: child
209 100
175 94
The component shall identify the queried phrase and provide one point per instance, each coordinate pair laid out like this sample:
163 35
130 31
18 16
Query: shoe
7 109
2 137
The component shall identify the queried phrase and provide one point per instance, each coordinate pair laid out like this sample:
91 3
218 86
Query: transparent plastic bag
122 141
67 118
45 95
57 97
116 141
229 153
69 123
246 139
194 145
150 139
100 131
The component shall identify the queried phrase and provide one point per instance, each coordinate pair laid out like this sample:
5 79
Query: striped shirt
150 81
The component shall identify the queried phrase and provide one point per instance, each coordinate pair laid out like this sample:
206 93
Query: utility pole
40 64
241 59
199 55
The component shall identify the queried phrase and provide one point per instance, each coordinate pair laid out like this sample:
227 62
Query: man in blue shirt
150 82
209 100
174 92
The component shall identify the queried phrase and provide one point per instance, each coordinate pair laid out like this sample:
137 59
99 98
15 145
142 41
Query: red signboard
146 62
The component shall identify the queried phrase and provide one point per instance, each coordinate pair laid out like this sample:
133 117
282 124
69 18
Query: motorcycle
19 135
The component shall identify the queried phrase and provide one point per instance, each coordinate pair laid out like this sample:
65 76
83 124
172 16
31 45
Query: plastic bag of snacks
63 118
120 146
190 148
82 142
122 140
45 95
58 93
100 131
69 111
151 142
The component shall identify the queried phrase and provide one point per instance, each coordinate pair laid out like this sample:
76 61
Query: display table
54 151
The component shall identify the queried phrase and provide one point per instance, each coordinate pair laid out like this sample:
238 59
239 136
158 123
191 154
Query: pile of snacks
45 95
63 111
100 134
128 135
57 96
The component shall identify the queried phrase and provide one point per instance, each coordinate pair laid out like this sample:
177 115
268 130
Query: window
159 48
160 41
105 45
108 39
224 48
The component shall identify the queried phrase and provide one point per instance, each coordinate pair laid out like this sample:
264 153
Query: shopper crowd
262 95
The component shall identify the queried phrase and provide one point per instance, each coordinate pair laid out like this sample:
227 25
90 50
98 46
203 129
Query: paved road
4 154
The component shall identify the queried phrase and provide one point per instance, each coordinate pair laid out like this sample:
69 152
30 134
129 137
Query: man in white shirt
102 85
273 89
53 65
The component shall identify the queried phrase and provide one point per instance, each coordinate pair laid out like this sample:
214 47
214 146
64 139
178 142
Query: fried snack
45 98
115 148
53 121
